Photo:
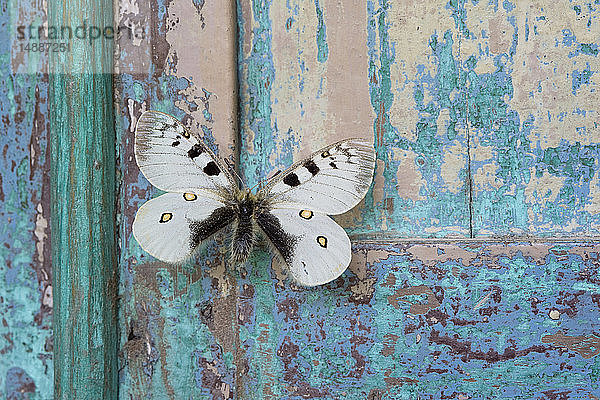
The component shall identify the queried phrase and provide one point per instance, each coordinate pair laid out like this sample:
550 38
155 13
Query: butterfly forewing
332 180
173 159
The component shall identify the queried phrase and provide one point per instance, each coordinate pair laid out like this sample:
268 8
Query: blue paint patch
569 39
17 384
198 4
590 49
508 6
581 78
258 71
459 14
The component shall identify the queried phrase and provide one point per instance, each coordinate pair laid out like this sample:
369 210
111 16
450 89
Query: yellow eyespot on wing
166 217
306 214
190 196
185 134
326 154
322 240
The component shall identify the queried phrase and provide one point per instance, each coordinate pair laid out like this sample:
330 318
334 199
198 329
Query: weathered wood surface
531 70
464 149
412 320
26 368
430 321
83 213
484 116
197 84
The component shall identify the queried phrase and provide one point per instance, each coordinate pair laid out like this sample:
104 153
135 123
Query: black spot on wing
211 169
176 143
291 179
332 165
195 151
217 220
164 127
311 167
283 241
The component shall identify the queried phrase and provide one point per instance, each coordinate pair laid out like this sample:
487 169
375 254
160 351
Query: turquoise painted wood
484 117
26 343
83 214
423 320
443 90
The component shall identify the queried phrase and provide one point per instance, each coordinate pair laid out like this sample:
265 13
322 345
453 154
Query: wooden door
475 252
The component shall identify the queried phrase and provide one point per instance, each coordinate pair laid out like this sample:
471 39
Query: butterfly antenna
259 183
239 178
266 179
231 167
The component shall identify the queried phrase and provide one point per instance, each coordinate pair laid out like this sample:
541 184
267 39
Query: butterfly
290 211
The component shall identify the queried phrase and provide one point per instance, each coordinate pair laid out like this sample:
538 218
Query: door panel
177 323
464 149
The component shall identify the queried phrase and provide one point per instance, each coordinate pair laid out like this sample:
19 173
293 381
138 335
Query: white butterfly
290 211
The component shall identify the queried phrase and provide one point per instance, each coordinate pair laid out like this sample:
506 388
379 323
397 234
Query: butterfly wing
173 159
332 180
171 226
315 248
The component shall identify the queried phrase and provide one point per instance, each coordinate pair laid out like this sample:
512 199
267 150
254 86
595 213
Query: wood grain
83 217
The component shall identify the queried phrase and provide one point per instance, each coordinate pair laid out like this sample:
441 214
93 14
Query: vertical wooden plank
533 115
82 179
421 187
304 83
179 331
26 367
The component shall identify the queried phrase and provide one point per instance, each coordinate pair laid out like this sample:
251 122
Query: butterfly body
245 231
290 212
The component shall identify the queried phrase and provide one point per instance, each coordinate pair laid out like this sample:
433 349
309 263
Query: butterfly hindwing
173 159
332 180
314 247
171 226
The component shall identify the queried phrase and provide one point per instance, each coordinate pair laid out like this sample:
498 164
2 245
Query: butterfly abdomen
244 231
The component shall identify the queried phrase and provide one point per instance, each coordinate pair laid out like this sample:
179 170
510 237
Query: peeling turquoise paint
444 86
258 73
581 78
452 86
323 48
26 366
491 316
262 330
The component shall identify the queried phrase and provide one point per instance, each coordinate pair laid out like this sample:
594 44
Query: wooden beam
82 177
